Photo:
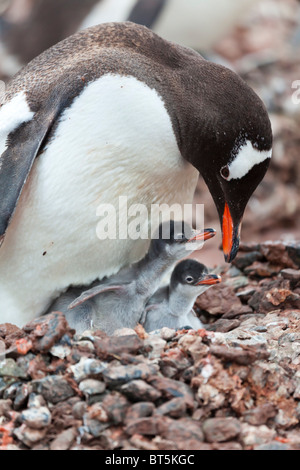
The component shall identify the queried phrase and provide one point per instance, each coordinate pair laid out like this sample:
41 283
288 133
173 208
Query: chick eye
189 279
225 173
180 236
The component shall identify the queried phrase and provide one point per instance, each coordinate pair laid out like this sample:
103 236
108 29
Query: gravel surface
234 385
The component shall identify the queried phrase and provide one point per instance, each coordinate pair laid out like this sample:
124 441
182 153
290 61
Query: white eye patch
12 115
245 160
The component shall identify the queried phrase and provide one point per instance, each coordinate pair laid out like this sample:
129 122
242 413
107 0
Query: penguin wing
100 289
21 148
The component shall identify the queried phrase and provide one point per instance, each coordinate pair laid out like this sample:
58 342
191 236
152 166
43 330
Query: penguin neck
182 299
151 272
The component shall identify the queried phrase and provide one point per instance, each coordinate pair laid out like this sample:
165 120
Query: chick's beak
231 235
209 280
202 235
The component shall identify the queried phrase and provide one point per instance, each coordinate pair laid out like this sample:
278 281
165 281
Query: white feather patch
12 115
246 159
107 11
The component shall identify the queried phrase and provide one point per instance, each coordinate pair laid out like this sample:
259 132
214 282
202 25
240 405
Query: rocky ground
234 385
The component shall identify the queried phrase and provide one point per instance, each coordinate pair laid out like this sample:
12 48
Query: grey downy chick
172 306
120 301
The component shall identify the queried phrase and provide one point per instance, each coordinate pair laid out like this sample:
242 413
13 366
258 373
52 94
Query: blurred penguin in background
28 27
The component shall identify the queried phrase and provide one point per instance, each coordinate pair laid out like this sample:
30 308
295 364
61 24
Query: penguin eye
180 237
189 279
225 173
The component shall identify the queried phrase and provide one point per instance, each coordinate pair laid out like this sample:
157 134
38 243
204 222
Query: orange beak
230 235
203 235
210 280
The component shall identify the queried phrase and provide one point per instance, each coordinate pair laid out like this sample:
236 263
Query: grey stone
36 418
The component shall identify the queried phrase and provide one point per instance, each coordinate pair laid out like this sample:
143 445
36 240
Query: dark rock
54 388
261 270
221 429
118 375
173 389
142 409
245 260
175 408
284 255
139 390
224 325
291 274
22 394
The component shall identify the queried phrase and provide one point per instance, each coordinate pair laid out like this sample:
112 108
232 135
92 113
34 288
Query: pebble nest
233 385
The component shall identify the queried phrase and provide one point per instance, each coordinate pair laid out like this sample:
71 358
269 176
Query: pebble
118 375
5 407
87 367
54 388
173 389
29 436
140 390
260 415
256 435
221 429
167 333
91 387
157 345
10 369
141 409
36 418
64 440
291 274
175 408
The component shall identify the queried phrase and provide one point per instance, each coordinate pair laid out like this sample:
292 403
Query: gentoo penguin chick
172 306
114 118
120 301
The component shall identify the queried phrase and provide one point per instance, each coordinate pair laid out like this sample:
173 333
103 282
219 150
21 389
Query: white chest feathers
115 140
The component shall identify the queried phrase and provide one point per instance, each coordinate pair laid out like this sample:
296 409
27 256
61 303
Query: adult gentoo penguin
113 111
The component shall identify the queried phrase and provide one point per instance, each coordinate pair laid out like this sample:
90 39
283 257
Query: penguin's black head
192 273
174 239
232 148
